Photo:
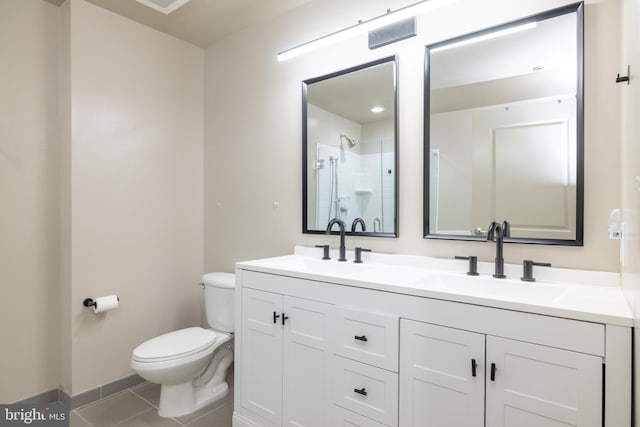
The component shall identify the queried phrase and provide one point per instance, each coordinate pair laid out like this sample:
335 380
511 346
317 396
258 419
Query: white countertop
575 294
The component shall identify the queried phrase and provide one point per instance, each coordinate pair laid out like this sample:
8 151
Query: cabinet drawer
367 390
367 337
345 418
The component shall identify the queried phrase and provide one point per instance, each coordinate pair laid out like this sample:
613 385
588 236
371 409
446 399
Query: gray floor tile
149 419
221 417
76 421
114 409
149 392
120 385
189 418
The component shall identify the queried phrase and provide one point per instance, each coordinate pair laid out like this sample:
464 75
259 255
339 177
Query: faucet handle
359 251
506 228
527 269
473 264
325 251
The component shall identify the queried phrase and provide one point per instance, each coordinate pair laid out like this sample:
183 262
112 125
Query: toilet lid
176 344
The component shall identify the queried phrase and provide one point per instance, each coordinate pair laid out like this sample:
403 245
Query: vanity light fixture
487 36
363 26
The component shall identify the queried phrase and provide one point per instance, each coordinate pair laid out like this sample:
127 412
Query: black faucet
342 256
497 232
356 222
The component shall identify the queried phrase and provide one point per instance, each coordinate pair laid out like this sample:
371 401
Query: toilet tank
219 295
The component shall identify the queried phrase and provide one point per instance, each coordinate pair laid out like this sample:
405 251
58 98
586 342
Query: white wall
101 182
630 112
29 143
136 184
253 130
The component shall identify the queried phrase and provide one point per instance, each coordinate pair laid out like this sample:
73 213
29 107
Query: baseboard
50 396
241 421
98 393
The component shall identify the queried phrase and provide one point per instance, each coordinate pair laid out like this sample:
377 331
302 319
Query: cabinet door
537 386
307 363
261 387
438 385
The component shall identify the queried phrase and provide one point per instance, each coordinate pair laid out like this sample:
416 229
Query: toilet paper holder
90 302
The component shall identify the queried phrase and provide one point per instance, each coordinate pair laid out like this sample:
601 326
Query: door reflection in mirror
503 137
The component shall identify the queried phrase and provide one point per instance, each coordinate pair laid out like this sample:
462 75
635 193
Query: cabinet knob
361 338
361 391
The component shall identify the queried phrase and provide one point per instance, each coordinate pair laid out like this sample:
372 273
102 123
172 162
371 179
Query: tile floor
138 406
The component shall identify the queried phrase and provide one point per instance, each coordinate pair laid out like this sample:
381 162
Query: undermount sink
487 287
433 280
334 267
329 267
393 274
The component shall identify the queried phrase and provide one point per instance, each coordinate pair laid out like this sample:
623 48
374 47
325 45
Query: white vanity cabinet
444 376
534 385
362 353
286 359
366 365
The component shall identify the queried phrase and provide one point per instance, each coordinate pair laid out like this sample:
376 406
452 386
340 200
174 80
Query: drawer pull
493 372
361 391
275 317
284 318
361 338
473 367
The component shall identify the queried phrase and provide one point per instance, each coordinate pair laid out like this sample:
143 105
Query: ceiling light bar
362 27
486 36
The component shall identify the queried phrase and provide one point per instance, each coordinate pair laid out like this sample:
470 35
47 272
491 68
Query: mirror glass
504 132
349 127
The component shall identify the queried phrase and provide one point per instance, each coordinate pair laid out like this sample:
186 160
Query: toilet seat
176 345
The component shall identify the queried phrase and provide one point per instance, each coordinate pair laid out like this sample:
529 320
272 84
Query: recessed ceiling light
164 6
377 109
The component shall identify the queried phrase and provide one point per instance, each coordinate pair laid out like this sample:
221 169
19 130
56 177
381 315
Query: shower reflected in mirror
349 150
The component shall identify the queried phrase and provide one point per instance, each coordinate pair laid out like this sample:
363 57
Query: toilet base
177 400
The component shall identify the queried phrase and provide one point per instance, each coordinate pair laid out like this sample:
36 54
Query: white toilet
191 364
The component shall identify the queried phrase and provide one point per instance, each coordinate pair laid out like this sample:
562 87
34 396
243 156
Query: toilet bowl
191 364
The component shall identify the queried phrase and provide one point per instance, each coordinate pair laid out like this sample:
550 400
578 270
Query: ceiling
352 95
200 22
550 45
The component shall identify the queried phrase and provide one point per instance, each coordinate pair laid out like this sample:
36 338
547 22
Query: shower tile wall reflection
356 181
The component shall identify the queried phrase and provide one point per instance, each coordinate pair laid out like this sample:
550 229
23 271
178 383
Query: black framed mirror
504 131
349 149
